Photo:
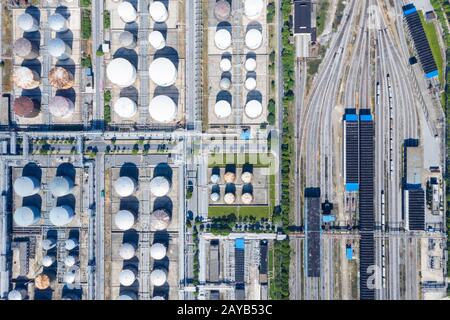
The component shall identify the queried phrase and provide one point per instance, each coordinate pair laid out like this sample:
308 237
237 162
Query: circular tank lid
124 220
26 78
215 178
127 277
60 186
61 107
25 107
69 276
48 244
215 197
250 64
222 39
159 220
42 281
70 261
163 72
253 39
124 186
127 251
222 109
229 177
26 216
127 295
121 72
26 22
247 198
247 177
158 298
125 107
222 10
163 109
225 65
158 251
57 48
26 186
158 277
158 11
60 78
126 38
229 198
61 216
225 83
70 244
127 12
156 40
15 295
22 47
250 83
253 8
159 186
253 109
47 261
57 22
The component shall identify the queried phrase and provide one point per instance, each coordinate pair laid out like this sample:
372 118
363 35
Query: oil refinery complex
223 150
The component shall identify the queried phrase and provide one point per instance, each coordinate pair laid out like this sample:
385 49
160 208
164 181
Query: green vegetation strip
432 37
86 27
240 211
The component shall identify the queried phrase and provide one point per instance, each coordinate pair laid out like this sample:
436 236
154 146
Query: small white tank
250 83
48 244
225 65
27 22
156 40
48 260
70 244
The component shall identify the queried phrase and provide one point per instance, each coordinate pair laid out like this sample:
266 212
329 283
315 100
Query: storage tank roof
253 109
222 39
124 186
215 178
48 244
121 72
57 48
229 177
127 251
222 10
57 22
127 277
126 38
25 107
159 186
70 261
61 107
229 198
247 198
253 8
60 186
225 65
159 220
250 83
26 186
156 40
42 281
15 295
215 197
158 298
26 22
163 72
26 78
225 83
60 78
253 39
22 47
158 277
250 64
246 177
70 244
124 220
47 261
158 251
158 11
127 12
61 216
69 276
125 107
222 109
26 216
162 109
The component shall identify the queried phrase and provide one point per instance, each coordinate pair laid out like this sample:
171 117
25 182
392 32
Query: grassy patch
322 15
86 26
240 211
257 160
432 36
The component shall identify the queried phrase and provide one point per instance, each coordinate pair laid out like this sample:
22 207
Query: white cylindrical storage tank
25 78
26 216
222 109
158 11
159 186
158 277
222 39
158 298
250 83
17 294
215 197
127 276
163 109
159 220
229 198
247 198
247 177
158 251
48 260
61 216
215 178
48 244
26 186
225 83
57 23
253 8
225 65
127 12
127 40
58 49
250 64
163 72
25 49
70 275
121 72
27 22
229 177
125 186
125 107
253 39
127 295
127 251
156 40
61 78
70 260
70 244
124 220
222 10
61 186
253 109
61 107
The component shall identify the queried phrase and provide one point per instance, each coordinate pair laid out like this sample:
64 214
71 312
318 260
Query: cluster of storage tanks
223 40
162 71
29 215
230 189
27 79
